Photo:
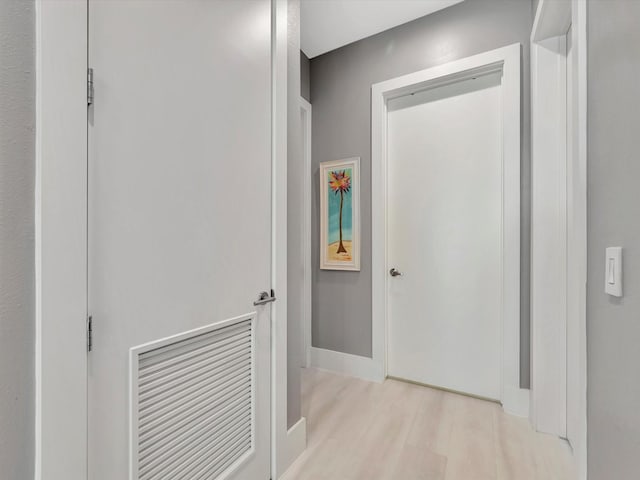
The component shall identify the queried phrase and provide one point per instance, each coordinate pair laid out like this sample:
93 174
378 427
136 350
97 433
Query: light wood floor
358 430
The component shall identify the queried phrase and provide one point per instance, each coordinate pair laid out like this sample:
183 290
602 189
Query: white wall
17 177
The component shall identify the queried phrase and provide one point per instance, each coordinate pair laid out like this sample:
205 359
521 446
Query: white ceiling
329 24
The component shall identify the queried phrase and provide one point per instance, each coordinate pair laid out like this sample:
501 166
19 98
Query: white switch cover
613 271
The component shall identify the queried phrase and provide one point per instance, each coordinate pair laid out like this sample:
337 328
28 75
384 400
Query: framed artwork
340 214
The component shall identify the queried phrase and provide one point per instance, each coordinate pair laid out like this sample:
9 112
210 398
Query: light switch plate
613 271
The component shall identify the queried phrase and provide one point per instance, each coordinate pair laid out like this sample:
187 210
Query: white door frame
305 108
558 230
282 451
506 60
61 240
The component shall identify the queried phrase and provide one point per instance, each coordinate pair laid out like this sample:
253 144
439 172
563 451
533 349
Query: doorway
559 205
444 206
493 80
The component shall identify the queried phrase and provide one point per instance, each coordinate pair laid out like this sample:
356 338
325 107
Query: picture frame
340 214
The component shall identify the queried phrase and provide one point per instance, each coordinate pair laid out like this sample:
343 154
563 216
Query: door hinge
90 86
89 333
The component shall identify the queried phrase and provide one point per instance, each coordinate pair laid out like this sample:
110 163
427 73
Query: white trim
279 32
61 240
568 205
306 109
552 19
516 401
346 364
579 22
548 235
296 441
507 60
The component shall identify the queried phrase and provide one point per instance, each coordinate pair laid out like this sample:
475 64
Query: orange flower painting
340 182
339 215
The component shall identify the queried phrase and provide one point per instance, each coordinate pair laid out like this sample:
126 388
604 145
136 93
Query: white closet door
179 239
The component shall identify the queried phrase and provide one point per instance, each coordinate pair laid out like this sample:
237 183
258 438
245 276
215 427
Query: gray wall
295 265
305 77
534 6
17 174
613 325
340 93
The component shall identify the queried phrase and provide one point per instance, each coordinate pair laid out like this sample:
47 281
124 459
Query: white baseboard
296 442
516 401
347 364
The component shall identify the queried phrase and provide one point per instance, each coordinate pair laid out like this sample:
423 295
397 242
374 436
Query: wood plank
359 430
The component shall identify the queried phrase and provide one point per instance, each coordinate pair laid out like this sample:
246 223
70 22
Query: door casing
559 188
305 110
61 241
507 61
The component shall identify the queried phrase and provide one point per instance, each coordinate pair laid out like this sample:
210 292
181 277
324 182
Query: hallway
360 430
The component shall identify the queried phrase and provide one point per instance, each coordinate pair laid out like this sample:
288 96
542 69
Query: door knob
395 273
265 298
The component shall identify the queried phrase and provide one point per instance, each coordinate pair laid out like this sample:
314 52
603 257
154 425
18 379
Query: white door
179 239
444 236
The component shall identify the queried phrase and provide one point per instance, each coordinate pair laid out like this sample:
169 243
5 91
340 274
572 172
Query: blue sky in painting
334 213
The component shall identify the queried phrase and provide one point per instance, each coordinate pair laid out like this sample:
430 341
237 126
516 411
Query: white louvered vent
192 403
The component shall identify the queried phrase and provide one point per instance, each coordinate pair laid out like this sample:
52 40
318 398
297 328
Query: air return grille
192 405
